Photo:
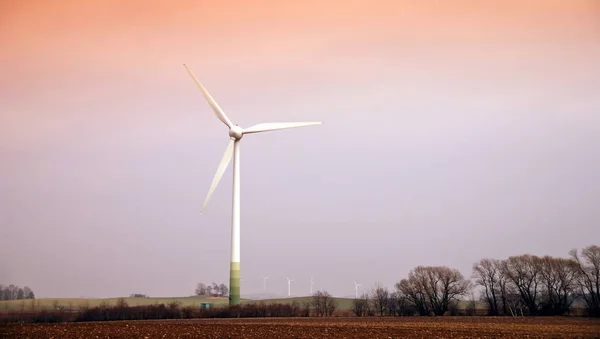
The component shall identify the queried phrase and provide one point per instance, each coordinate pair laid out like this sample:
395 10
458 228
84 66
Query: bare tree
3 292
305 308
121 306
414 290
524 272
404 307
201 289
507 290
399 304
360 306
11 292
445 285
330 306
487 273
559 278
588 278
20 294
379 297
392 306
323 303
121 302
28 293
216 291
433 288
316 303
223 290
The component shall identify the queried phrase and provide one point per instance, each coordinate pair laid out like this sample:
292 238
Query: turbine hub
236 132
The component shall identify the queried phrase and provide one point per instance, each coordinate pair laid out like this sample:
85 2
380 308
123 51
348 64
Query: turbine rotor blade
213 104
220 170
273 126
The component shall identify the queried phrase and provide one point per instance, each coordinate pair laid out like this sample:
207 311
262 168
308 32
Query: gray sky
450 134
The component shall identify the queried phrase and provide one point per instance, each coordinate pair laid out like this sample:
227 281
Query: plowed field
417 327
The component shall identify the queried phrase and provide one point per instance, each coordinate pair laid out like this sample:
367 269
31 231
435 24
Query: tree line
541 285
214 290
519 285
121 310
14 292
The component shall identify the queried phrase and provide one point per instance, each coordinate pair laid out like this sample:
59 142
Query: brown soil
405 327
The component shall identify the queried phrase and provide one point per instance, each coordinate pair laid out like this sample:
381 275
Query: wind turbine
265 283
356 286
289 286
311 285
233 150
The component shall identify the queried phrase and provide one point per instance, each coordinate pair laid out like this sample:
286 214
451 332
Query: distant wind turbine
233 151
311 285
356 286
265 283
289 286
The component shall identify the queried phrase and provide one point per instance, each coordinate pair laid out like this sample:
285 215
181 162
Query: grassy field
386 327
77 303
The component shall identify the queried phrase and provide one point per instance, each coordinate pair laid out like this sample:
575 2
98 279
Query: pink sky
52 49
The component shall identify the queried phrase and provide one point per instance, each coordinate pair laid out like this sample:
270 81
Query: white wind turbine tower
289 286
356 286
233 150
312 282
265 283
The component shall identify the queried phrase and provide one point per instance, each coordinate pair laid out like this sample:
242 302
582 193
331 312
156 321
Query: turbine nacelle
236 132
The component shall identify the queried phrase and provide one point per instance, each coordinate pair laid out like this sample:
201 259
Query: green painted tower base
234 283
